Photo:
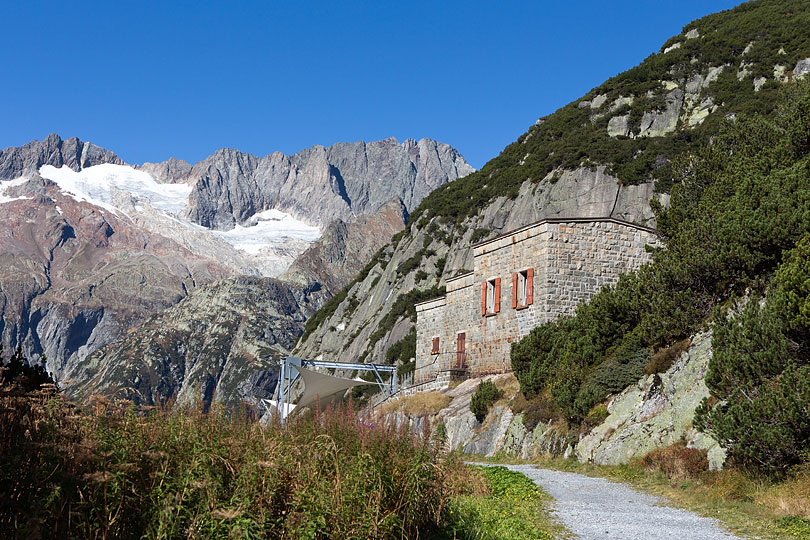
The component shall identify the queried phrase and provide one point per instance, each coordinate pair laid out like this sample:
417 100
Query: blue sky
151 80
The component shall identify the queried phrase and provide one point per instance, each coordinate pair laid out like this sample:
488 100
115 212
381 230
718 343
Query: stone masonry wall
571 260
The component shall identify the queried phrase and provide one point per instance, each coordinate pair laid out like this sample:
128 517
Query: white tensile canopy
323 387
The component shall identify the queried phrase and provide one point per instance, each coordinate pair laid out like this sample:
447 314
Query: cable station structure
321 386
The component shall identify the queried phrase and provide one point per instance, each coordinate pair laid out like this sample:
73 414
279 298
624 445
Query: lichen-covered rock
659 123
802 68
655 412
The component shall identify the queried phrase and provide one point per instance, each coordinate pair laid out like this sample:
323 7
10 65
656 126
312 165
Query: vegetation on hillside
575 136
750 39
737 209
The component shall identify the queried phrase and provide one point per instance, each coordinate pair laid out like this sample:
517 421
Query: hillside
606 154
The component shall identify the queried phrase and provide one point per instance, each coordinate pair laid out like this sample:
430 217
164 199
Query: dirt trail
598 509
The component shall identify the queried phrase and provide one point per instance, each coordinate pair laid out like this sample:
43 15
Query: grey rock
318 185
27 159
802 68
222 343
657 124
692 34
656 412
619 126
170 171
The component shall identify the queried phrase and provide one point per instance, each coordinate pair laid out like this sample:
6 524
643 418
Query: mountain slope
94 247
597 156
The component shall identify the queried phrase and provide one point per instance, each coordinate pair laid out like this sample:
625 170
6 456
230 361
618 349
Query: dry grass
116 472
789 498
510 386
422 404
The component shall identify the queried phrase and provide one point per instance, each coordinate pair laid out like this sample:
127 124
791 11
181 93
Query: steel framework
290 374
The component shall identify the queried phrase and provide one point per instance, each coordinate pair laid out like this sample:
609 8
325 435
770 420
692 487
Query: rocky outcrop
655 412
170 171
222 344
318 185
333 260
500 432
27 159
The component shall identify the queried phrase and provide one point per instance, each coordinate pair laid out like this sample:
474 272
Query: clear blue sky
151 80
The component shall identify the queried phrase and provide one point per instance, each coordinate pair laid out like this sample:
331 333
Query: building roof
567 220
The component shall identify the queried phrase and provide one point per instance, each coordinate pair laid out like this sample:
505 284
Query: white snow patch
266 229
11 183
98 184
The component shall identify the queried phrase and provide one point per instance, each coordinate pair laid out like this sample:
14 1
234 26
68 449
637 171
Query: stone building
520 280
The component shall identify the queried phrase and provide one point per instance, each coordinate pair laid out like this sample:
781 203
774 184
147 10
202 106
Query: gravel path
595 508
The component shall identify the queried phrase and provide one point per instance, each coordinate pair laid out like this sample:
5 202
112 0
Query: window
523 288
491 297
435 348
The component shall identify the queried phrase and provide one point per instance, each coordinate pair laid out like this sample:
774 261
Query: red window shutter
497 294
435 349
514 290
484 300
529 286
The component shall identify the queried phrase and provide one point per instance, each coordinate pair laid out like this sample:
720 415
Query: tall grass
116 472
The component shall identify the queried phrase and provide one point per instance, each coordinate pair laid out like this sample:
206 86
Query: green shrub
760 373
484 397
478 235
403 350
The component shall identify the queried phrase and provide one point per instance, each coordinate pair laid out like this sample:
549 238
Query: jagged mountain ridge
318 184
68 293
598 156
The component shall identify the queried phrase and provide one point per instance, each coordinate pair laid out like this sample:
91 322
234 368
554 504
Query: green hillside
576 135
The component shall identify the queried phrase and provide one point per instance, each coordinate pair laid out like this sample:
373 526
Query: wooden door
460 350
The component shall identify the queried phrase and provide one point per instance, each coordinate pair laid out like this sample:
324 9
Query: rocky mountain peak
52 150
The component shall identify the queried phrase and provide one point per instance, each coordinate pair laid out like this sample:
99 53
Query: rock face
318 185
27 159
342 251
221 343
500 432
655 412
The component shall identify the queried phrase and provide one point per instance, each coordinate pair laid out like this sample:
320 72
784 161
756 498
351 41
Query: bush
760 373
677 461
537 410
484 397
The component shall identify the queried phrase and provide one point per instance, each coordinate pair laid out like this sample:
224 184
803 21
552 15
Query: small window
491 297
522 288
435 348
